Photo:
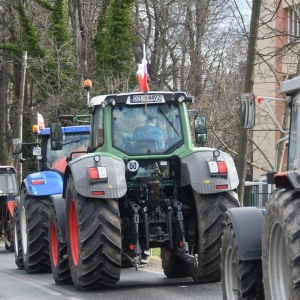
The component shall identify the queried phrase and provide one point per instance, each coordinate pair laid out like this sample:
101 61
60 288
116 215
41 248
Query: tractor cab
51 155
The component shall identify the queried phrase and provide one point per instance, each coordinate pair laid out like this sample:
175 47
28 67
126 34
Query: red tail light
97 173
37 181
98 193
222 186
93 173
217 167
222 167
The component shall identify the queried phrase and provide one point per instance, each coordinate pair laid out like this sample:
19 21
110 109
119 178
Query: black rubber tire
240 279
58 251
210 211
34 217
281 245
97 241
17 239
173 265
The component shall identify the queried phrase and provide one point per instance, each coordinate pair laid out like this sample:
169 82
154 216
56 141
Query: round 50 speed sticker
133 166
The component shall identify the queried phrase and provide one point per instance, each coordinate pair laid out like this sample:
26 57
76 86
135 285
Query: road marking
38 286
42 288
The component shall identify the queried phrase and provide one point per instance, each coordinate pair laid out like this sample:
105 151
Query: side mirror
247 110
56 136
17 146
200 130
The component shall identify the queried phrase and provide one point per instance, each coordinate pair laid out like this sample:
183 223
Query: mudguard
59 204
195 172
247 223
44 183
11 206
114 188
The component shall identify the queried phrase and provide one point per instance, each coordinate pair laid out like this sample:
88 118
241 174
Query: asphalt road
147 283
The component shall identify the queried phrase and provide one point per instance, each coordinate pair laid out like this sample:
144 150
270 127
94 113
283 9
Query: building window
294 23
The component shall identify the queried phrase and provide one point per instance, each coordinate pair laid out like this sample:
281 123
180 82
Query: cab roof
68 129
130 98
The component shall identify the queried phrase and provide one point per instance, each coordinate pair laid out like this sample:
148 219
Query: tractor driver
150 131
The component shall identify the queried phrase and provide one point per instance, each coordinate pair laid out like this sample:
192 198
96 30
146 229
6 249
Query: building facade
277 60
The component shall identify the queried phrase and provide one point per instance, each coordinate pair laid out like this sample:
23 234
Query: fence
256 193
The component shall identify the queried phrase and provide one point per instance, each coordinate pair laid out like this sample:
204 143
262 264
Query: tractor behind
261 247
9 190
40 188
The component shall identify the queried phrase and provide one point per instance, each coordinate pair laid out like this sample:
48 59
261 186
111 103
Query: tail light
217 167
97 173
222 186
37 181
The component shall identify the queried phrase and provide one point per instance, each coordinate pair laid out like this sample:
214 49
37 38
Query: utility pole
248 88
21 108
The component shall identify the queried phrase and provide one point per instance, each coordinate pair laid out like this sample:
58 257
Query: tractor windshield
151 129
75 142
8 183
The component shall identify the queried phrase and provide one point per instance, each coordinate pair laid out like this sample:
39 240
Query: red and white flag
142 73
40 121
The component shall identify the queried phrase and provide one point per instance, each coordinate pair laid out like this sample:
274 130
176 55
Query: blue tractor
38 191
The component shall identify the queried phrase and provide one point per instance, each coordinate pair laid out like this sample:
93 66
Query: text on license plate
141 98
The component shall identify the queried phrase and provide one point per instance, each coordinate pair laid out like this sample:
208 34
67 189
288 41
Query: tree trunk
4 75
248 88
21 107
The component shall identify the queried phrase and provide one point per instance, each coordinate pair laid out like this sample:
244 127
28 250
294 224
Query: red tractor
9 190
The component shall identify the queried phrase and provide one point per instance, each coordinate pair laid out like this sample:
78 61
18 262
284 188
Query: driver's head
150 119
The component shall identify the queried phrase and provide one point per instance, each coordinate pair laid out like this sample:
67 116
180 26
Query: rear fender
114 188
195 172
247 223
11 206
59 204
51 183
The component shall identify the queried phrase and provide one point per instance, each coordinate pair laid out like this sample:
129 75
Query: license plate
150 98
37 151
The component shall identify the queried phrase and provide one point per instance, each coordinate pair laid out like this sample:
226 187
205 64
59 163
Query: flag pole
144 58
142 76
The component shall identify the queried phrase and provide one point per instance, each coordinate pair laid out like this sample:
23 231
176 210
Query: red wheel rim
54 244
167 253
73 229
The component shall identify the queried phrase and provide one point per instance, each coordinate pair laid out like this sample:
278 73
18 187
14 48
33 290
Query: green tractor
142 185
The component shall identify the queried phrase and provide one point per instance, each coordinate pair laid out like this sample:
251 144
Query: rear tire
58 251
281 245
173 265
210 209
93 239
241 280
17 239
34 217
